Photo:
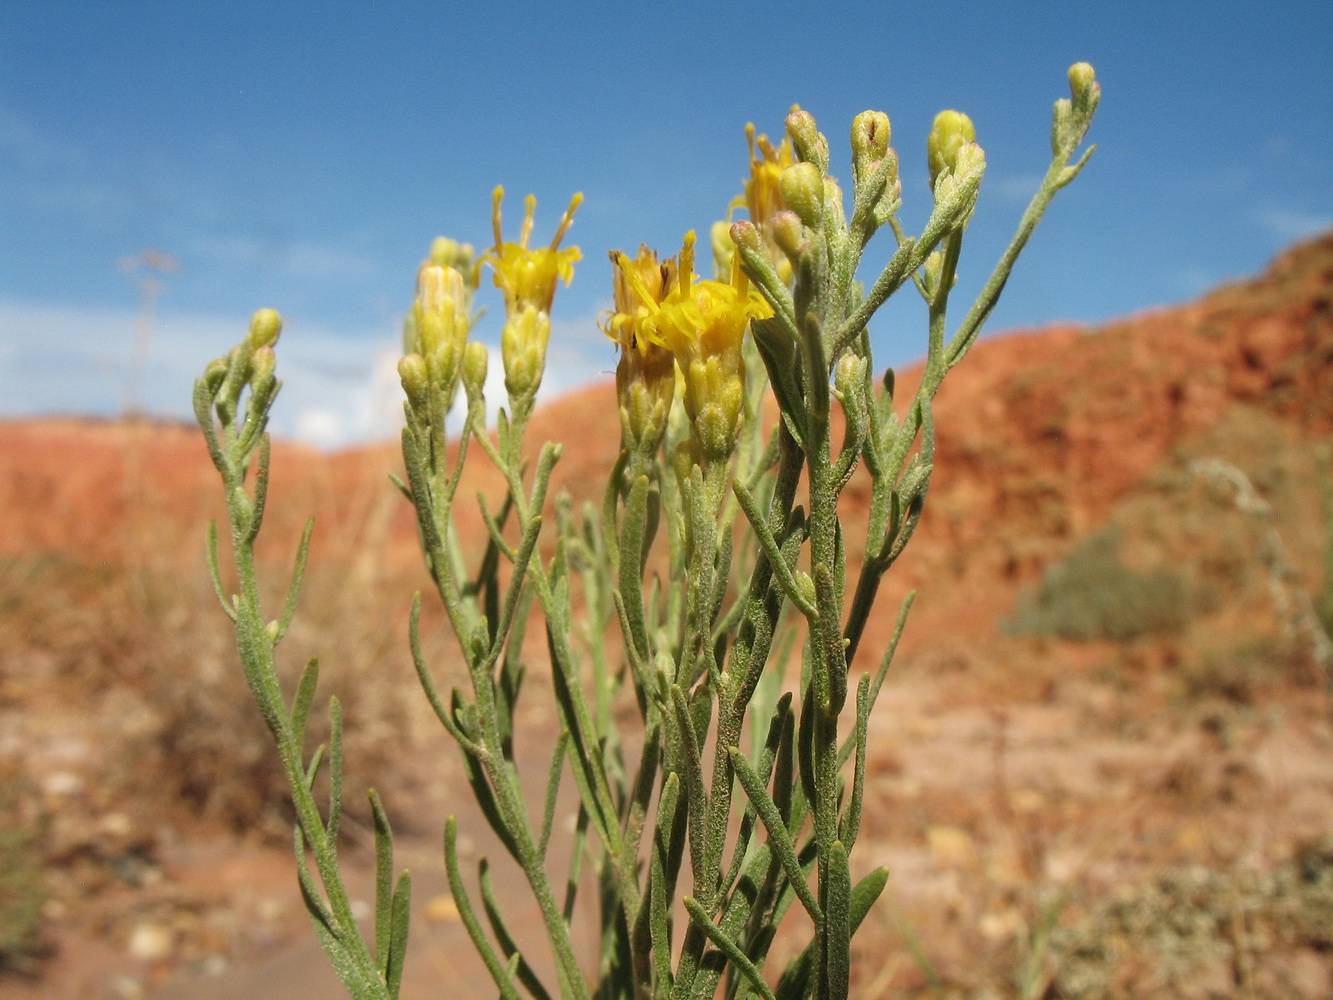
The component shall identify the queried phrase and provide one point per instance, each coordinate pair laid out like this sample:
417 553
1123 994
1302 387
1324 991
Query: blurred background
1103 766
190 163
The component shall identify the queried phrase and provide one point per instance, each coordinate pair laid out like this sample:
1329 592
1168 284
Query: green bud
450 253
803 192
262 363
789 235
413 374
833 200
745 234
805 585
849 376
265 326
214 373
870 142
475 360
523 343
805 137
952 130
1083 84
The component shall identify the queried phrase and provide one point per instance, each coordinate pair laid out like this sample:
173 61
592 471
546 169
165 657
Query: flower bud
1082 81
523 351
849 375
805 137
803 193
265 326
416 382
645 388
214 373
445 252
870 141
746 236
723 248
951 131
475 362
789 235
262 363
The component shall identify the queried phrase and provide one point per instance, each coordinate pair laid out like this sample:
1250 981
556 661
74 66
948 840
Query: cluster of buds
436 332
952 154
528 279
252 364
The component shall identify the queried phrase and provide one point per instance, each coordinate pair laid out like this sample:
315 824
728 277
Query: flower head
528 278
702 323
646 372
763 191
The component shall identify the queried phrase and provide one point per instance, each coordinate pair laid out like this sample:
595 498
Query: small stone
150 942
951 845
442 910
126 988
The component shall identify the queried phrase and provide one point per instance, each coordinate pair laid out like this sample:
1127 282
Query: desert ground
1102 765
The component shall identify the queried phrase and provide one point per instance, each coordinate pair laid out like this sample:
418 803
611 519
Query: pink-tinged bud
805 137
803 193
262 362
746 236
265 326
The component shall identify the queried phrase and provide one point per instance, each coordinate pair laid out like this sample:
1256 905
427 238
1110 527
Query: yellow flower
646 373
763 191
528 277
702 323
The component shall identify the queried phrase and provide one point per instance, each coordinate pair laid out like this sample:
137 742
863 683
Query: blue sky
302 156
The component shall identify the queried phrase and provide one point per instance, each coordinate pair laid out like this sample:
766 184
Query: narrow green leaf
728 947
696 793
256 518
503 979
505 939
428 684
384 895
851 817
552 790
215 572
305 694
838 929
335 769
399 920
298 576
759 521
778 835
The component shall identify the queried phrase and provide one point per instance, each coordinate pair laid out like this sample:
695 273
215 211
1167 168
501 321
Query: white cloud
1014 188
1290 225
337 390
302 260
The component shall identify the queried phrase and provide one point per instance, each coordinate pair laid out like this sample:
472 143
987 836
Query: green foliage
652 720
1323 602
1091 594
1162 938
22 882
